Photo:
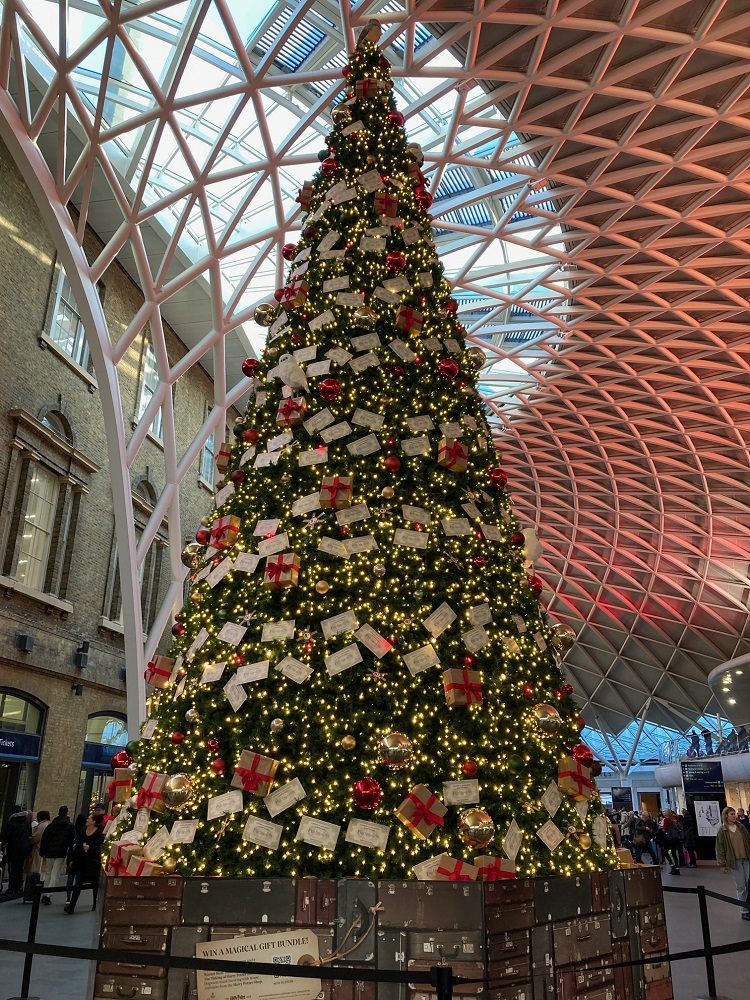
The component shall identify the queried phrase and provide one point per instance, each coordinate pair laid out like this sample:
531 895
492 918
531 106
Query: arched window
106 733
58 423
21 725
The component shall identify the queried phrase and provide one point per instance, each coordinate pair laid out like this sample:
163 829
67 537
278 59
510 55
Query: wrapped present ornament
452 454
386 204
120 854
120 788
304 196
295 295
149 794
223 456
575 779
138 866
366 89
224 531
452 870
291 412
492 869
281 570
158 671
462 687
254 773
421 811
409 320
336 492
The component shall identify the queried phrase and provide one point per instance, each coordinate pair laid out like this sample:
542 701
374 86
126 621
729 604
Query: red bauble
596 768
470 768
178 629
212 745
395 261
425 200
250 367
451 306
383 63
279 294
528 692
516 538
238 659
480 561
498 477
398 370
367 793
288 251
568 688
238 476
346 72
396 118
583 754
218 766
177 737
122 759
469 661
392 464
537 584
447 368
203 536
580 722
250 435
296 338
329 166
329 389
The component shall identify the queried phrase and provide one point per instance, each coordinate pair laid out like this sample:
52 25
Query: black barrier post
441 977
706 931
31 938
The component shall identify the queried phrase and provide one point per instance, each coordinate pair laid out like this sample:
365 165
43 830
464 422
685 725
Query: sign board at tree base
289 948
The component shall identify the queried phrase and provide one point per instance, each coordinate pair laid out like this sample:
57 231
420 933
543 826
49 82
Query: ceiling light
732 701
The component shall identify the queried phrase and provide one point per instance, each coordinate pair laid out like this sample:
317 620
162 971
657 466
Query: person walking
672 840
694 749
742 739
708 740
16 838
57 841
34 864
690 837
733 854
744 819
643 839
86 863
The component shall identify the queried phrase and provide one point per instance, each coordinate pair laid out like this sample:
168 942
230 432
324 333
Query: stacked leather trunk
516 939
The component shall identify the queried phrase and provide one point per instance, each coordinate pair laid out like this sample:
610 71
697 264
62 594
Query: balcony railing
689 747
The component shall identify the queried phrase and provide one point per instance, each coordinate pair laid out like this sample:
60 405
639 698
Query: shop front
21 731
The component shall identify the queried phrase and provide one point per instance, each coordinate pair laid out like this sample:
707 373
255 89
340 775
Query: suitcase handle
122 991
583 937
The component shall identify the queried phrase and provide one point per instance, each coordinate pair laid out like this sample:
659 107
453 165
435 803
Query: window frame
81 354
208 480
38 469
148 361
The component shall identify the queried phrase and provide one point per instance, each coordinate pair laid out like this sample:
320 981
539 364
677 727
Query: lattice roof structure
590 165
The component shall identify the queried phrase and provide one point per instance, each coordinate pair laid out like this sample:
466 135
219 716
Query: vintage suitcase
305 901
135 938
430 905
652 916
543 987
245 901
623 974
142 912
508 946
355 924
559 898
391 951
542 949
581 939
618 909
514 970
643 886
659 991
120 987
181 983
131 970
472 971
512 917
653 940
574 983
600 892
509 890
462 950
325 907
158 887
520 991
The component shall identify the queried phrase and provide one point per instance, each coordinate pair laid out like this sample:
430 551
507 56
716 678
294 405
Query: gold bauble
341 114
191 553
387 492
276 725
564 638
547 718
475 827
177 791
365 317
169 865
264 314
370 33
348 742
322 586
197 597
286 478
476 357
395 749
378 569
584 839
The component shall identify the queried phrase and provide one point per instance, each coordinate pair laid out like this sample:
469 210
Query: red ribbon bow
334 488
153 671
251 777
275 569
115 784
455 874
408 318
453 452
495 872
221 529
115 864
140 868
578 777
423 810
472 689
147 795
289 407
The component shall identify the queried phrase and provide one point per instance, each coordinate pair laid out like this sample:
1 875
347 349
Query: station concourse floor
63 979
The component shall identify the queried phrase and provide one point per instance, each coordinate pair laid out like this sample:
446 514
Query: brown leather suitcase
129 988
445 947
509 890
575 983
659 991
652 916
430 905
514 970
542 949
581 939
142 912
519 991
618 909
136 938
181 983
473 971
509 946
305 901
561 898
242 901
355 921
653 940
512 917
325 906
643 886
623 974
600 892
158 887
131 970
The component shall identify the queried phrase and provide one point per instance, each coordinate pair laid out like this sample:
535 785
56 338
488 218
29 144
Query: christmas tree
362 681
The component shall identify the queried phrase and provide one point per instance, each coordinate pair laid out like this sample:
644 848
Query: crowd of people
54 852
737 741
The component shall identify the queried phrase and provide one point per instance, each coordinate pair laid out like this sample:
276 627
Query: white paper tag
360 543
342 659
402 350
441 618
272 546
461 793
315 456
491 532
480 614
512 841
306 504
217 575
316 423
259 831
367 834
212 673
365 418
475 638
411 539
250 672
371 181
333 547
183 831
266 526
246 562
344 622
365 341
338 355
318 322
224 494
416 446
416 514
273 631
294 669
350 515
223 805
156 845
336 431
336 284
284 797
420 423
552 798
318 832
420 659
454 526
235 694
550 835
232 633
373 640
367 445
319 368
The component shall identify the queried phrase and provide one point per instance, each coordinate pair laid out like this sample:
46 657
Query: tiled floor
58 979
